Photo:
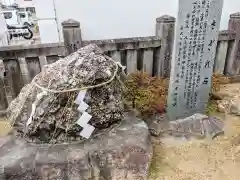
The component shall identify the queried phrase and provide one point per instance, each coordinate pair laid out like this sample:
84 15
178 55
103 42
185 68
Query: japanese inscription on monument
193 57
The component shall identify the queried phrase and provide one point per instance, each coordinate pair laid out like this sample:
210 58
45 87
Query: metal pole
55 13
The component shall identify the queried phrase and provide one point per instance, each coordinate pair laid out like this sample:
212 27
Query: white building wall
25 3
3 30
47 22
22 3
7 2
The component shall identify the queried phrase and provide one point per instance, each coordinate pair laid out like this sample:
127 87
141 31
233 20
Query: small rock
160 108
237 150
158 124
235 107
236 140
216 96
223 106
198 126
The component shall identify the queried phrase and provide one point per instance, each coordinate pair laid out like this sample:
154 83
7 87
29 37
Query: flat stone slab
197 126
125 152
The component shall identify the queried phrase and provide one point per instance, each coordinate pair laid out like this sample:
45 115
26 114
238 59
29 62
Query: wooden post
165 26
5 86
221 52
234 25
230 53
223 58
3 98
24 70
71 35
42 61
131 61
2 69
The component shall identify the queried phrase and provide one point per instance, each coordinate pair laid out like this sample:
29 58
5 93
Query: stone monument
195 44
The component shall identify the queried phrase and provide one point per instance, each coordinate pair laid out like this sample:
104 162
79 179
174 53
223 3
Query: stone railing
19 64
225 52
140 53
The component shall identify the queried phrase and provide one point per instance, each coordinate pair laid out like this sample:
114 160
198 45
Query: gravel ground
218 159
4 127
199 159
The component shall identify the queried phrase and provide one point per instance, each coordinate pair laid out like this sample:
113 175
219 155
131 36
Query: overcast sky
125 18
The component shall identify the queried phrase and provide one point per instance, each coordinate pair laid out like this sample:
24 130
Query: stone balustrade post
72 36
3 100
234 25
165 27
24 70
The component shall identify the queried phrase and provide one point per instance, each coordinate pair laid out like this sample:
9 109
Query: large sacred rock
72 99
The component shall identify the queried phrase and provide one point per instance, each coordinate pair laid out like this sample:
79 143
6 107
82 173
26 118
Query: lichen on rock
49 100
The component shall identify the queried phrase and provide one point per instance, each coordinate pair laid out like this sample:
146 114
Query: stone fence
225 52
19 64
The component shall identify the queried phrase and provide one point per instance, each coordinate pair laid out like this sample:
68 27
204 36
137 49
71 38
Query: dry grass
202 159
4 127
198 160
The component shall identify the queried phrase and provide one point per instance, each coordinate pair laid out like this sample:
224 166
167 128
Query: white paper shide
85 117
